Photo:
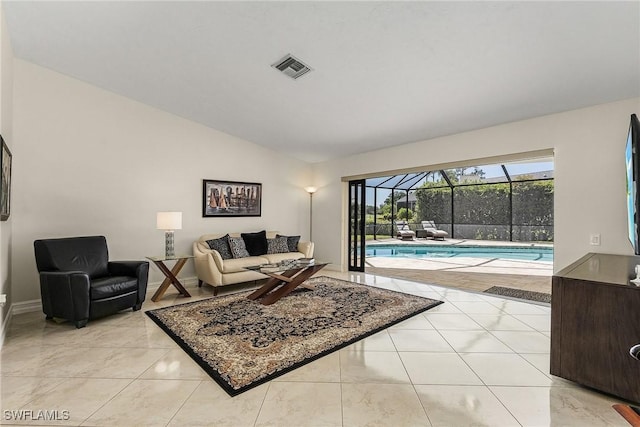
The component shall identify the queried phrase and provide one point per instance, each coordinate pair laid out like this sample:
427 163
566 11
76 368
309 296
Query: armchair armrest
138 269
58 288
77 280
124 268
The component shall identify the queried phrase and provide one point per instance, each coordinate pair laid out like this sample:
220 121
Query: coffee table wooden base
629 413
282 284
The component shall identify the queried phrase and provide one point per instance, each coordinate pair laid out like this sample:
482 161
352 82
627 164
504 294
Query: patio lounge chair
404 232
429 230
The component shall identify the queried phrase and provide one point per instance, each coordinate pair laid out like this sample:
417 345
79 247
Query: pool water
529 253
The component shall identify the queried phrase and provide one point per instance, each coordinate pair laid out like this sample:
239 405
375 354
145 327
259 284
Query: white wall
589 175
6 130
89 161
92 162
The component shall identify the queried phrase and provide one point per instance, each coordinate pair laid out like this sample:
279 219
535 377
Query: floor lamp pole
311 190
311 217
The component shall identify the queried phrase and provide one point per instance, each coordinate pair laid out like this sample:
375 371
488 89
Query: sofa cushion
256 243
238 248
222 246
107 287
292 242
277 245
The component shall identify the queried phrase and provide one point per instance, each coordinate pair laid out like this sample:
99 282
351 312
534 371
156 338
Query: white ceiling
385 73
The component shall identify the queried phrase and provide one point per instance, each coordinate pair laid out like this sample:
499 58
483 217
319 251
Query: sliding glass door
357 237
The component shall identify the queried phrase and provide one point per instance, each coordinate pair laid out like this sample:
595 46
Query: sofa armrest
306 248
209 267
217 258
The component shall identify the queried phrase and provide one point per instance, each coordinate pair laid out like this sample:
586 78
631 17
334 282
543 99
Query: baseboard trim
36 304
5 325
26 307
18 308
188 282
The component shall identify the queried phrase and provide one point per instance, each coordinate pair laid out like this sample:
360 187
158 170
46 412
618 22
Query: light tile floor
475 360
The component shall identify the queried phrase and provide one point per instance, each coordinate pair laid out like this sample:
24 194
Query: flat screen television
632 160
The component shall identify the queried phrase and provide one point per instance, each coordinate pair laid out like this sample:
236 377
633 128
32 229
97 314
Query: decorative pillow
277 246
221 245
292 242
238 249
256 243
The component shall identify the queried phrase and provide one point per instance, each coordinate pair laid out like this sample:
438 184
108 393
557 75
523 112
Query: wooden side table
171 276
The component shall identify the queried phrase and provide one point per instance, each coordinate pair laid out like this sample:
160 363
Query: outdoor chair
404 232
429 230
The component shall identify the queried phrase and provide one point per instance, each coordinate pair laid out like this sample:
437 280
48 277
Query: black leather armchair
78 282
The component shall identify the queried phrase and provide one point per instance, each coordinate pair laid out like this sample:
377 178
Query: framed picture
5 190
231 198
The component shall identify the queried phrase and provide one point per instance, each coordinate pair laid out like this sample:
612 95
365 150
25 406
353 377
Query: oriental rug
241 343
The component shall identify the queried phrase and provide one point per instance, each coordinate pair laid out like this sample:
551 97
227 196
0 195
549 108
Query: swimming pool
529 253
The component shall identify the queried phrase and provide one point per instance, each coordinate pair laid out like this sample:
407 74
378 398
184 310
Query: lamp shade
311 190
169 220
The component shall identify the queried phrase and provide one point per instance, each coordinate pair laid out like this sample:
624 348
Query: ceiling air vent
291 66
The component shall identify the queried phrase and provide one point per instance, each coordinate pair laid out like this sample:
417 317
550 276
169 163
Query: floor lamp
311 190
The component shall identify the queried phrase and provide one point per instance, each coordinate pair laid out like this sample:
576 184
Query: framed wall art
5 189
231 198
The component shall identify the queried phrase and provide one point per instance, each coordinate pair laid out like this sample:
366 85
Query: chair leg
199 283
137 307
48 317
81 323
215 291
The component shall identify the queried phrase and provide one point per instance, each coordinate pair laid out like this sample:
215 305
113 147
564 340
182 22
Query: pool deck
469 273
456 242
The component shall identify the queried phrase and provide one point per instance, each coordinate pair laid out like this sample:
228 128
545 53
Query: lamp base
169 249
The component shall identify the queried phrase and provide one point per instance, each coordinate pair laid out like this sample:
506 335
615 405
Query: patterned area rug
242 343
519 293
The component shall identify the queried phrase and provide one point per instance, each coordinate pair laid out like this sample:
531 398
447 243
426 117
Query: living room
87 161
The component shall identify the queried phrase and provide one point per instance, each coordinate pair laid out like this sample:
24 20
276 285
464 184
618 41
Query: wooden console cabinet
595 320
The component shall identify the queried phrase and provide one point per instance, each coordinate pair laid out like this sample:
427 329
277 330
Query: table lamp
169 221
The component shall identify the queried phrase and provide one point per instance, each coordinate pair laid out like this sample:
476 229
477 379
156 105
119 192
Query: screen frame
632 166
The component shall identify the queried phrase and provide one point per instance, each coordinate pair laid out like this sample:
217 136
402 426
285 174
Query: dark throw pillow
256 243
292 242
277 246
238 248
221 244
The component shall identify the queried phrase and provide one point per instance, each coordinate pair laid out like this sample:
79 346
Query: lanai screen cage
508 202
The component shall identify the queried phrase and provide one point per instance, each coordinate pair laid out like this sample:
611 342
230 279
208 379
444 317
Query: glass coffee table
284 278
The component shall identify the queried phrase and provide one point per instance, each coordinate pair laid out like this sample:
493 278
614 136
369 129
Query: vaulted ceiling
384 73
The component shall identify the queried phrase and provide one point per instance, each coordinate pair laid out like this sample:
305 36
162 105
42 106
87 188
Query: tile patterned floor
475 360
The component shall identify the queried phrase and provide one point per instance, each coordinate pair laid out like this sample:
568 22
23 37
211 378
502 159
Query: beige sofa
213 270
